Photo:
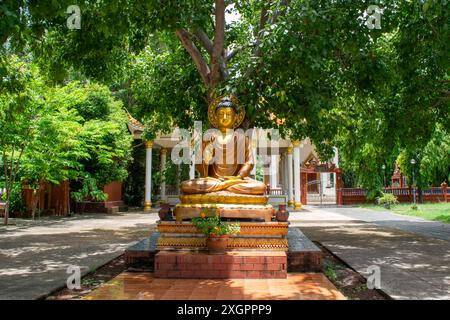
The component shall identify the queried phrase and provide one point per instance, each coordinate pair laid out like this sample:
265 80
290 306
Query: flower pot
282 214
217 244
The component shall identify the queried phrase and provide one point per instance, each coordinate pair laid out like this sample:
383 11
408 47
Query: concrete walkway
389 219
34 255
413 265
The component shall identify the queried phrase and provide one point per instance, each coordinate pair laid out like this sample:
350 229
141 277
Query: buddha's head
225 114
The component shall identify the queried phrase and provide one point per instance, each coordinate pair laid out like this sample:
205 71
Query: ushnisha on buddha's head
225 114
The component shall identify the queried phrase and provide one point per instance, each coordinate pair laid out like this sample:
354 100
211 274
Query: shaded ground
34 256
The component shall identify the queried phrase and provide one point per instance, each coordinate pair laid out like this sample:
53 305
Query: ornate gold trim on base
223 199
233 243
297 205
231 211
247 228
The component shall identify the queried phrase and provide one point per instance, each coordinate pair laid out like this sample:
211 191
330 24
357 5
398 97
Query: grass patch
429 211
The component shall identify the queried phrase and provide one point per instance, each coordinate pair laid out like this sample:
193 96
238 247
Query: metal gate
318 195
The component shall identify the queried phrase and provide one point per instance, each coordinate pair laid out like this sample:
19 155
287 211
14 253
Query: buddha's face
225 117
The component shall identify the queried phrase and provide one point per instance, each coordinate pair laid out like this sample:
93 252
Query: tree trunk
6 211
7 204
35 200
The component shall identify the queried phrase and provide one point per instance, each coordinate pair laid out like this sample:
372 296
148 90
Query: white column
297 203
273 171
281 172
163 167
290 178
192 165
148 175
286 175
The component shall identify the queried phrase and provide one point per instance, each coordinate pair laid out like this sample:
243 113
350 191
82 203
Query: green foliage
387 200
89 190
209 223
103 142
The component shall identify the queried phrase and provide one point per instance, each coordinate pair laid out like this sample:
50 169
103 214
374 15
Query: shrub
209 224
387 200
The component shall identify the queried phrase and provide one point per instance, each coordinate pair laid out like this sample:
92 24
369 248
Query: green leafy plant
209 224
387 200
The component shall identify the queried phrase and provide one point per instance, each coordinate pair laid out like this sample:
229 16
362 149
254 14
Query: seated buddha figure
227 156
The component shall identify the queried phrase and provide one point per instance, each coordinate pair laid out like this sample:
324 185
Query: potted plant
216 231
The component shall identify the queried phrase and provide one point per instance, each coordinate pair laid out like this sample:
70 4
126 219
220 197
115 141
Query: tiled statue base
230 265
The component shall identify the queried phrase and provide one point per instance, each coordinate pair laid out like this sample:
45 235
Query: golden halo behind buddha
240 114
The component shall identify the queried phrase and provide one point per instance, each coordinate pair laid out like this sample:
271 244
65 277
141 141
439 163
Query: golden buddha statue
227 161
228 157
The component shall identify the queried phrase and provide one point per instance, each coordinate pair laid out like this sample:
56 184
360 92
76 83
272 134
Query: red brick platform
230 265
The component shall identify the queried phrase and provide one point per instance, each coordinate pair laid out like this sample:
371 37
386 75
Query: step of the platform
230 265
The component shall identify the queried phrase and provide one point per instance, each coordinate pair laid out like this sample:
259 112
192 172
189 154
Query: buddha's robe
226 163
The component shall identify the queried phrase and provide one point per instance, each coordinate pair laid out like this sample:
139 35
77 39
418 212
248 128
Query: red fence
434 194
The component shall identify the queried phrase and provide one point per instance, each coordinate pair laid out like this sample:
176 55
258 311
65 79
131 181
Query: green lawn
430 211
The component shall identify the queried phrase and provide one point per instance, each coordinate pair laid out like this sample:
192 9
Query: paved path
34 255
413 265
389 219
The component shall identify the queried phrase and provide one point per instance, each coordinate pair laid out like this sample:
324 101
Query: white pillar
281 172
297 203
273 171
286 175
148 175
192 165
290 178
163 167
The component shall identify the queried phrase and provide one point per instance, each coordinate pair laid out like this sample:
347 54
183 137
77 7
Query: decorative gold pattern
148 144
212 114
228 199
289 150
233 243
295 143
163 151
266 229
297 205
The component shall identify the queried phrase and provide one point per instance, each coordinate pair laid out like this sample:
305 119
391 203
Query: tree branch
260 31
219 39
232 53
202 67
204 40
281 11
